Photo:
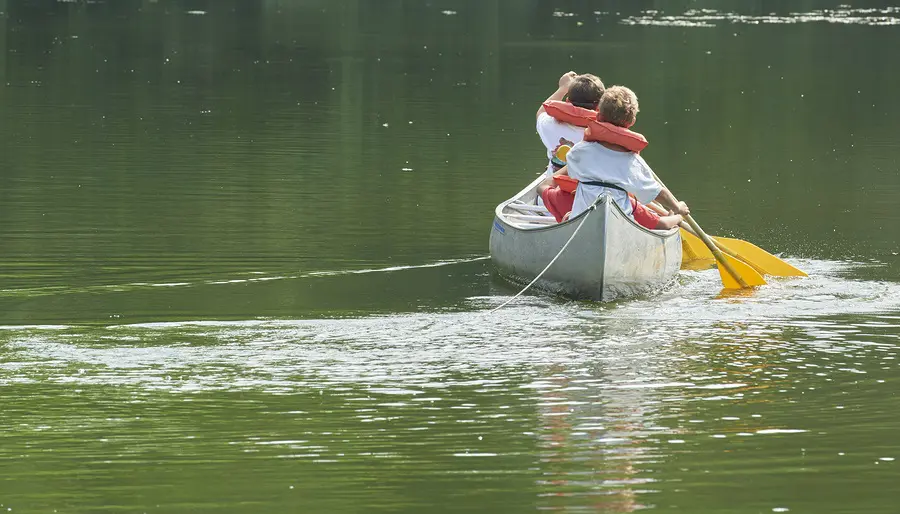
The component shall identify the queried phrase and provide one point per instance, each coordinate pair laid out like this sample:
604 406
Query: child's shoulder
600 150
586 146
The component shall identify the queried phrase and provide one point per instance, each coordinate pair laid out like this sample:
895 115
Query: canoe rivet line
561 250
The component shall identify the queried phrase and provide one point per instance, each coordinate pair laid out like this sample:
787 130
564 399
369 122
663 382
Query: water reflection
711 17
595 439
3 17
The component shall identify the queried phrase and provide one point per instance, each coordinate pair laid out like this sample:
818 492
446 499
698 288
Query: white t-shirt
550 129
593 162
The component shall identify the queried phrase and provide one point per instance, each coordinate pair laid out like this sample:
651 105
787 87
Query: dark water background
242 242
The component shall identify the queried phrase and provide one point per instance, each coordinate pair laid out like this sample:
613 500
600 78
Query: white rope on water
561 250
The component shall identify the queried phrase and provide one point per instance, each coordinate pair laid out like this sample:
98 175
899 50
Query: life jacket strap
603 184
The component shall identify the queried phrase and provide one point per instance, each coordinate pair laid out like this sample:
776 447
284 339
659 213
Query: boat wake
829 290
247 277
827 311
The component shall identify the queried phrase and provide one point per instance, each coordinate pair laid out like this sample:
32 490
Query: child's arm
561 92
666 199
667 222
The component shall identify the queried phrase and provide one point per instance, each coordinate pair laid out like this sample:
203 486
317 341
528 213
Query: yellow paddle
759 259
735 273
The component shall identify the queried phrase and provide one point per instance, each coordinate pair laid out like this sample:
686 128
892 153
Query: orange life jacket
568 113
602 132
597 131
566 183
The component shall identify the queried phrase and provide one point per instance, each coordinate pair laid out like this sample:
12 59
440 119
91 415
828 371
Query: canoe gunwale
600 199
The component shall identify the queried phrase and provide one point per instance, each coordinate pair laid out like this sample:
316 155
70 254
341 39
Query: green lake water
243 260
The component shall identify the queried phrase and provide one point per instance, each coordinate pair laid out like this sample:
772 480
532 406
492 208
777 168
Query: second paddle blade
760 259
694 254
750 276
692 248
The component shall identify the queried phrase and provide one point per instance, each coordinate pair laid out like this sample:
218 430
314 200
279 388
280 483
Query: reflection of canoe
611 257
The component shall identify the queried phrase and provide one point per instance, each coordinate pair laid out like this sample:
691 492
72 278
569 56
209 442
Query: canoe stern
610 257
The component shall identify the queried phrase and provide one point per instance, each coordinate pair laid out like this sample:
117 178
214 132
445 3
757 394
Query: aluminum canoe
611 257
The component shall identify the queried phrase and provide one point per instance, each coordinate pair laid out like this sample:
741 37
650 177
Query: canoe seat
526 215
531 225
546 220
524 207
540 211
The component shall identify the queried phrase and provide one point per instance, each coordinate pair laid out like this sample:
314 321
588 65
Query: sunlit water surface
243 262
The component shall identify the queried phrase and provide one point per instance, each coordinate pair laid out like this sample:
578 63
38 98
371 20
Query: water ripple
843 15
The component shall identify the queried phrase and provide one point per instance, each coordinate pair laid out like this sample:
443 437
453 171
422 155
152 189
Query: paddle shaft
710 244
728 251
716 252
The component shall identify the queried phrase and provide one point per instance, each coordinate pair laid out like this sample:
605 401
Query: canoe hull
611 256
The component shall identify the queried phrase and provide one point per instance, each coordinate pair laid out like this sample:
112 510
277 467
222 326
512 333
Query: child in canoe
607 161
562 121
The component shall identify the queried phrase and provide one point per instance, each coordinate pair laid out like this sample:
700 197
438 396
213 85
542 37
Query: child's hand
566 79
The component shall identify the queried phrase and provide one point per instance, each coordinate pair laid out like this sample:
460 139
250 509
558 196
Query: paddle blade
758 258
692 247
743 270
694 254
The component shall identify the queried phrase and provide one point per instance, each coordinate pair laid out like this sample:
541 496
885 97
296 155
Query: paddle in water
762 261
735 273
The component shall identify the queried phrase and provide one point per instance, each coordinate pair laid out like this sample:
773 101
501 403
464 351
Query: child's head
619 106
585 91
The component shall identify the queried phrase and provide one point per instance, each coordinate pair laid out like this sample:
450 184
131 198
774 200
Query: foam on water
827 291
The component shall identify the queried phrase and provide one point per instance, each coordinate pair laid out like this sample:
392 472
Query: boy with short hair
582 91
602 161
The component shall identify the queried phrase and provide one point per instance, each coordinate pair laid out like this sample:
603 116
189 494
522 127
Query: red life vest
596 131
602 132
568 113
